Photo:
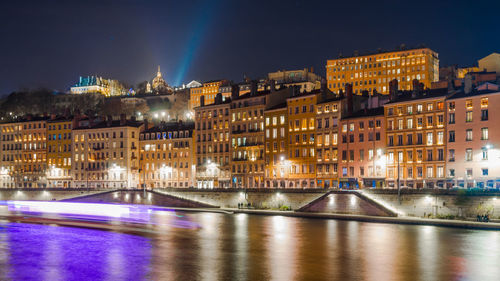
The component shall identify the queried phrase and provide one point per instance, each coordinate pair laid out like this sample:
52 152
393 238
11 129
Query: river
214 246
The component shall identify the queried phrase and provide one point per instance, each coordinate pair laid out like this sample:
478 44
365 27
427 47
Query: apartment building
59 144
105 153
277 165
328 114
166 156
373 71
302 134
362 147
213 138
34 153
11 157
415 138
473 142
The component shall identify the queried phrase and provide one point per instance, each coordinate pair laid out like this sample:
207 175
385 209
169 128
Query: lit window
484 133
429 138
468 116
468 104
484 102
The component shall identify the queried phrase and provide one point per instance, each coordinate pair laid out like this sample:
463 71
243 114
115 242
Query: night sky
51 43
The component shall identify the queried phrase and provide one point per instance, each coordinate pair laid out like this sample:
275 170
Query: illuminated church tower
159 84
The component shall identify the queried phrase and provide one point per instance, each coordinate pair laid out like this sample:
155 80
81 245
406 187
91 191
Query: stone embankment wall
138 197
424 203
345 202
44 194
261 199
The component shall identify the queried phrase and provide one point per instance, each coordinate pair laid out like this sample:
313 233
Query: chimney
218 98
324 91
202 101
370 100
350 103
133 118
273 85
146 123
235 91
253 87
123 119
52 116
468 84
393 89
109 120
66 113
416 88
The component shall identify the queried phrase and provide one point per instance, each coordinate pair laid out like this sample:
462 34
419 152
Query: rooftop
404 96
378 111
381 51
462 94
171 126
112 124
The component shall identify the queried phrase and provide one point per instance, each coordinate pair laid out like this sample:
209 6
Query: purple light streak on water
97 212
40 252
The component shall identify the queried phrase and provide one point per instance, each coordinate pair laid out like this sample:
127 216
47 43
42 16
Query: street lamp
114 169
4 173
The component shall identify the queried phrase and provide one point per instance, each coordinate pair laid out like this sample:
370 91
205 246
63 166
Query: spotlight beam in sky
197 34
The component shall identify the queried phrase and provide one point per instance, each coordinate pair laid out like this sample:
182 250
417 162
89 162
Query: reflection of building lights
488 146
353 200
278 194
155 115
428 198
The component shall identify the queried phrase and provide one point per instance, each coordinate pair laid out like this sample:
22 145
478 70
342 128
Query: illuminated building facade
328 114
158 85
473 142
213 138
209 91
247 140
95 84
59 143
105 153
167 156
277 165
305 79
416 138
372 72
490 63
302 133
34 153
362 149
11 156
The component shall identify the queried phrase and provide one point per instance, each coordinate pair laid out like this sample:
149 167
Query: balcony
247 144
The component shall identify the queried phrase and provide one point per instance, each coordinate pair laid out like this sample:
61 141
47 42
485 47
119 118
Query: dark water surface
248 247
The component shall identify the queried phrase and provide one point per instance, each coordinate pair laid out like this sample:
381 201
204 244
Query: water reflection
246 247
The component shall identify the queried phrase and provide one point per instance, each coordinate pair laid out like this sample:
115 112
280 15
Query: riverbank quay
376 219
